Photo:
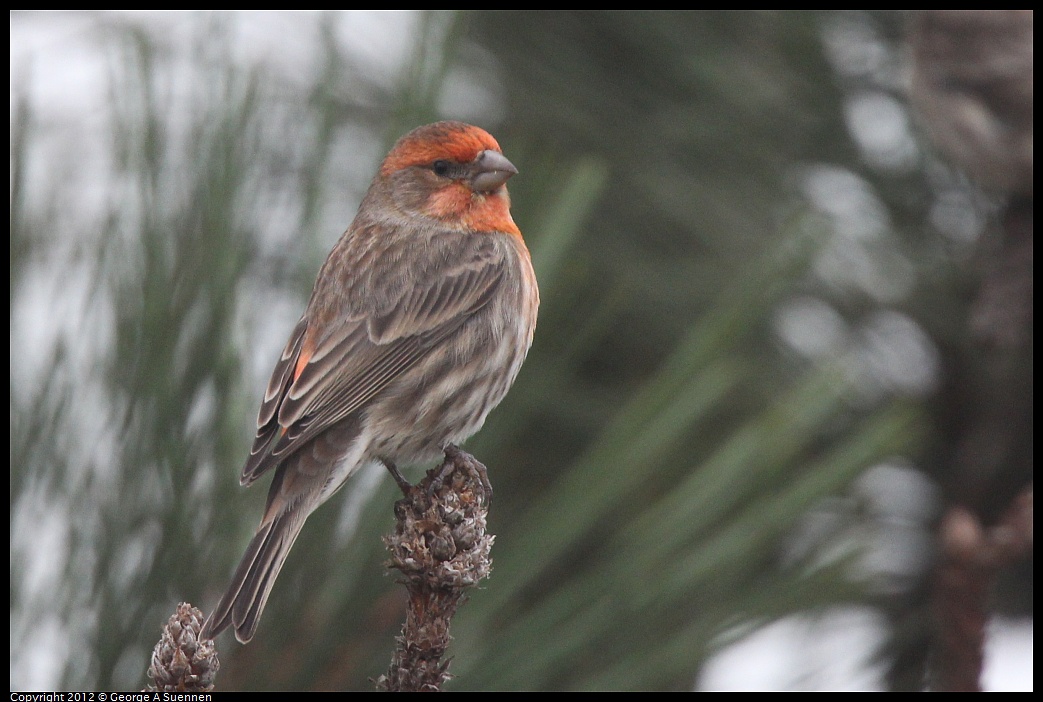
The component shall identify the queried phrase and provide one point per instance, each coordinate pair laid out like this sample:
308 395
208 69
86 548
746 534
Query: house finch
416 328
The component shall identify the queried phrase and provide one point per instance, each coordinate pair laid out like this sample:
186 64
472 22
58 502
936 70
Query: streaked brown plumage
416 328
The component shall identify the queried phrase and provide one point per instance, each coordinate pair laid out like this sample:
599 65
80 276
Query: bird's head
453 172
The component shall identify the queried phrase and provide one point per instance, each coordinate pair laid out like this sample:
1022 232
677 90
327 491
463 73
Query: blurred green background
755 278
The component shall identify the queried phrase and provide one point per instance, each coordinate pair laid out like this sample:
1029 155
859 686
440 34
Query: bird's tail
242 604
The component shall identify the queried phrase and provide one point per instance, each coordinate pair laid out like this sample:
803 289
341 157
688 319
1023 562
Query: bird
416 328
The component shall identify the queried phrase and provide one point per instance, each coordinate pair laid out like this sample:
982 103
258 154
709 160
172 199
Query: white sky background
56 57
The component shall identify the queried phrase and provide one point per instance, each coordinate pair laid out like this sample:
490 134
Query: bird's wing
325 374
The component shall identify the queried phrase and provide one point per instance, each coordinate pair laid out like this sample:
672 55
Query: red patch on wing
307 351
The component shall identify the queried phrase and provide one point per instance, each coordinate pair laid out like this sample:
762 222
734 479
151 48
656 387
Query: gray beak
491 170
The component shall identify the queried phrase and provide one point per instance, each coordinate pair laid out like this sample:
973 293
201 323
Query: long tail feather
242 605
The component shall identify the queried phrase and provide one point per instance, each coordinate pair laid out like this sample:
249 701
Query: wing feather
349 362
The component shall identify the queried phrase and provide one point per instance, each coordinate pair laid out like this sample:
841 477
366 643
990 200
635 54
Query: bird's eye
441 167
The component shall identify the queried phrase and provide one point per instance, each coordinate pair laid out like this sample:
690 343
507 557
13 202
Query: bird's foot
458 459
404 485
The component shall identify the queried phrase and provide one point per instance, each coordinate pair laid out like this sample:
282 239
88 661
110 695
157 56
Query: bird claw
457 458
